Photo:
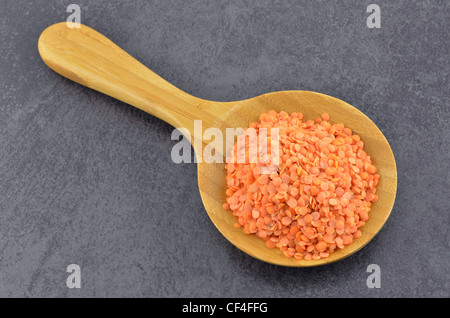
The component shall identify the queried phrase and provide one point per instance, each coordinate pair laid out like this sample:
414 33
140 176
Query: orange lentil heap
319 197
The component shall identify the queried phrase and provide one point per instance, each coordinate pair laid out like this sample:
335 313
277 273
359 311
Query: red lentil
320 196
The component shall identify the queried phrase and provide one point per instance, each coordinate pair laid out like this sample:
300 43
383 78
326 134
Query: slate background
87 179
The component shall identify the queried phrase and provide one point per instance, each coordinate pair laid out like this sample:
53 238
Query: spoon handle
90 59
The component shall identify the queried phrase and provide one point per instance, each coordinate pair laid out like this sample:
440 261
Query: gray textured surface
86 179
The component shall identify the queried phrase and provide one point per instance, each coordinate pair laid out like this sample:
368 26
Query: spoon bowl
89 58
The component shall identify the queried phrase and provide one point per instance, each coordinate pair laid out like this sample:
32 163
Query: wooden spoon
89 58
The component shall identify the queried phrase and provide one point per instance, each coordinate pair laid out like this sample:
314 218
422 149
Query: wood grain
89 58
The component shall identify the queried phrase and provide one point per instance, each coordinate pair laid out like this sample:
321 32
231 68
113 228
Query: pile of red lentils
319 195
